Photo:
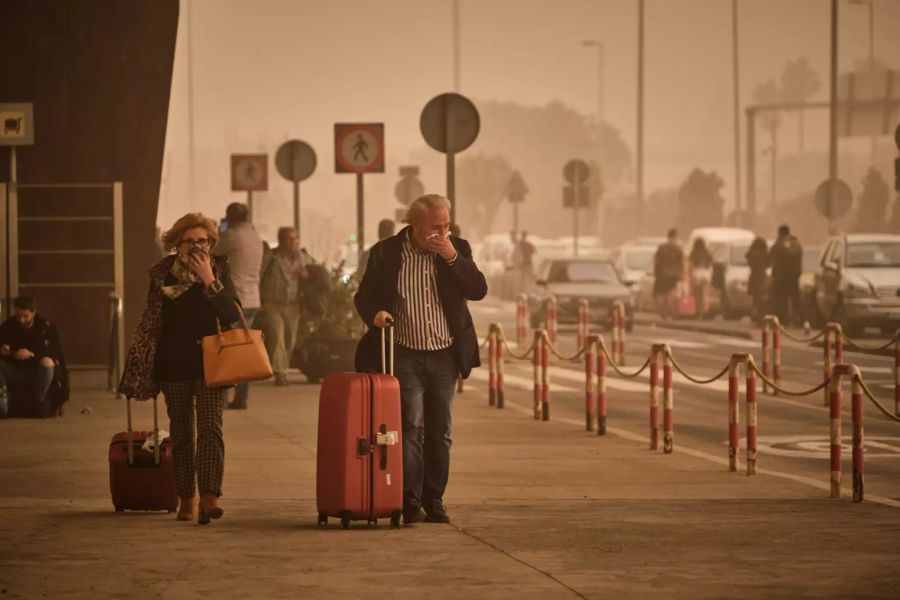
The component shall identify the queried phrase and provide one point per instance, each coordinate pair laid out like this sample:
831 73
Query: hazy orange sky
268 70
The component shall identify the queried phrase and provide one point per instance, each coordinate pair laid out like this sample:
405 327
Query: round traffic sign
450 123
359 147
408 189
840 201
295 160
576 169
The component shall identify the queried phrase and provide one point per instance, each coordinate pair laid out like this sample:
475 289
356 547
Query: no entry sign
359 147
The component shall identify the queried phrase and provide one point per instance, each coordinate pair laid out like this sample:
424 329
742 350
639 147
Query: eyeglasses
201 242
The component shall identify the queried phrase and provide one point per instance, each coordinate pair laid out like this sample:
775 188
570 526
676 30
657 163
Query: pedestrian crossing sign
359 147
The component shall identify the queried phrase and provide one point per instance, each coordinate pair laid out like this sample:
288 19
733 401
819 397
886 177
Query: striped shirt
421 323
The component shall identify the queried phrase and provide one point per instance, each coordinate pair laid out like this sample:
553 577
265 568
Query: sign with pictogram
249 172
16 124
359 147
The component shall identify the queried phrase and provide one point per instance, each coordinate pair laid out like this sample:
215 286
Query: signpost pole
516 219
451 185
833 115
297 207
576 200
360 240
250 204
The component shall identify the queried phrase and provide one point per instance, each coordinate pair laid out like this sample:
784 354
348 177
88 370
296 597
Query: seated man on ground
31 361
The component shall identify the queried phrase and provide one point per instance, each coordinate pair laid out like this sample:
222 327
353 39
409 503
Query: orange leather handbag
235 356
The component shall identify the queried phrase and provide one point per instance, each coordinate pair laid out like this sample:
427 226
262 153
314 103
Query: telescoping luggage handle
390 328
130 434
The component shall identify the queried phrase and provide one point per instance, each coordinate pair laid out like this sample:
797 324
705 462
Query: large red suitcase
359 468
141 480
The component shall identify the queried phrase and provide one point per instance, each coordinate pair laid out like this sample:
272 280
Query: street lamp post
871 4
600 87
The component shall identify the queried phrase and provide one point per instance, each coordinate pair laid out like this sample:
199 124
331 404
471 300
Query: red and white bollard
545 379
601 388
776 355
750 393
584 322
897 373
617 325
589 384
668 402
833 342
733 417
552 316
501 391
654 397
521 319
856 410
538 362
766 325
493 342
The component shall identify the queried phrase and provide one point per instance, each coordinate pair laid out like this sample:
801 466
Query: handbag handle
243 322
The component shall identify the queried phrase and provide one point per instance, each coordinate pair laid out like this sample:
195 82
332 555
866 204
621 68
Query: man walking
421 279
280 295
786 260
243 247
668 269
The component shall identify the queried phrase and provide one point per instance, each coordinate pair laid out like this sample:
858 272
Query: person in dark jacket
189 290
421 280
786 260
31 362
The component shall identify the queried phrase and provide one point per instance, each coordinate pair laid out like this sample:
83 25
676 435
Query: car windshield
739 255
873 254
581 271
640 259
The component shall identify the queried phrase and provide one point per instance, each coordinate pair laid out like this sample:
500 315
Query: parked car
735 300
858 284
570 280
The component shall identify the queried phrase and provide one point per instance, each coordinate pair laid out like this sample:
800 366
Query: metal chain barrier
612 363
697 380
875 401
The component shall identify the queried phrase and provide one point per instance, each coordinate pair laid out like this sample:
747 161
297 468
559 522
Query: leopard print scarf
139 376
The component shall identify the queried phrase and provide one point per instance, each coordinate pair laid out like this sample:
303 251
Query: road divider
597 357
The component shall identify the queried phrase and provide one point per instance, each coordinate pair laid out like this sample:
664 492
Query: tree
700 201
798 82
481 181
873 203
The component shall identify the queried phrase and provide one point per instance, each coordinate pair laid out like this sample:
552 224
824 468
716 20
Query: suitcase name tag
387 439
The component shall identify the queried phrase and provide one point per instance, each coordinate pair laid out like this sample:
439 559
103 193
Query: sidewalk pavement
539 510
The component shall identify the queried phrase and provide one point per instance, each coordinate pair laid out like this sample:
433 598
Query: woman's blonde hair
421 205
172 237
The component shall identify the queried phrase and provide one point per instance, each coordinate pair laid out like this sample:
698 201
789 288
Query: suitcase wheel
345 520
120 509
323 519
395 519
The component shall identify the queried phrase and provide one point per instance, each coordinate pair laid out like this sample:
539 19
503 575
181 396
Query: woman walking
701 262
758 282
189 289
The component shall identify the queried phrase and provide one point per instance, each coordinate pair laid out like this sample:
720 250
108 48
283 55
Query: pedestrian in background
668 269
526 252
243 247
189 290
701 265
786 260
280 296
758 283
385 230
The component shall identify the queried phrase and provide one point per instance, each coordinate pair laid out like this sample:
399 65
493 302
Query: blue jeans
427 384
242 391
29 381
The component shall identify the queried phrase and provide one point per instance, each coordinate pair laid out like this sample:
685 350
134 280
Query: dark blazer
456 284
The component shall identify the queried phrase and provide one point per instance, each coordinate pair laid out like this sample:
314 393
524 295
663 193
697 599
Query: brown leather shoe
209 508
185 509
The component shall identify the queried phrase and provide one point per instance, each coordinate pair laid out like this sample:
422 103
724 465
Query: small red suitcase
359 467
141 480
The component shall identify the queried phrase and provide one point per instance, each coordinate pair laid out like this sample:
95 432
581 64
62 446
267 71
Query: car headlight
859 291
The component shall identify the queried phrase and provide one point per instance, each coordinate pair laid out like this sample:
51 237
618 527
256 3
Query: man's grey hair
421 205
